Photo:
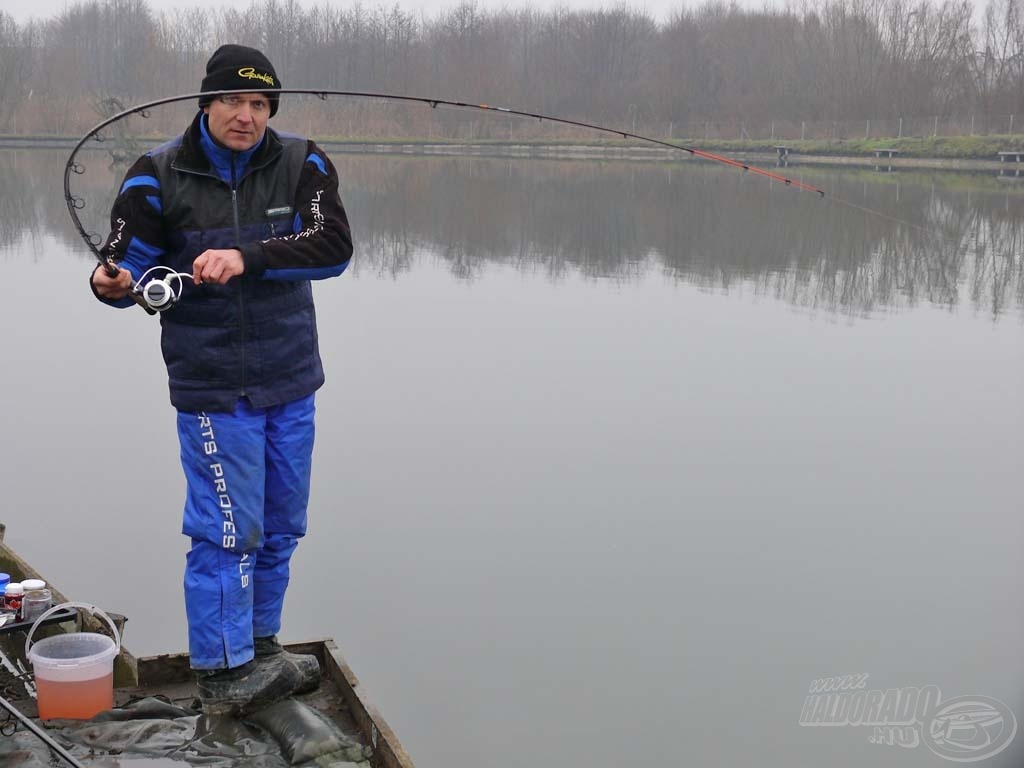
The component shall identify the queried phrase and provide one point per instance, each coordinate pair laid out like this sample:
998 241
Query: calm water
613 460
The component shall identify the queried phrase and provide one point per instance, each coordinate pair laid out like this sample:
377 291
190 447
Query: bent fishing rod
93 240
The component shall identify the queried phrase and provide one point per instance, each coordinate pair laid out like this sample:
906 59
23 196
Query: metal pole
867 129
803 128
773 130
936 131
972 125
900 134
1011 125
40 734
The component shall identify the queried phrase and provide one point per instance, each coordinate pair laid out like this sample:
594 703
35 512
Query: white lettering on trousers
220 487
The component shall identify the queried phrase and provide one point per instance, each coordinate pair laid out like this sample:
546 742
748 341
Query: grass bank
951 147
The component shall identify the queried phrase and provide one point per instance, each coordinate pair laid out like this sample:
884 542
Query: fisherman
251 216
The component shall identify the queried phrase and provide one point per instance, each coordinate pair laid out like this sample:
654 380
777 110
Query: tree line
826 60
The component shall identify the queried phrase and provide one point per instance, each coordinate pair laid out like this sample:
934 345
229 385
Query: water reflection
944 244
561 482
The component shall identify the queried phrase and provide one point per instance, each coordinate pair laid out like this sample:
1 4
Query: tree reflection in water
955 242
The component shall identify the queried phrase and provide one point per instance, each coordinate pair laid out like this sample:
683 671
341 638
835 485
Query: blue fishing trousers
245 510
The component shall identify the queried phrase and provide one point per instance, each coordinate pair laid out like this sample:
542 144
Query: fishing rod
75 204
40 734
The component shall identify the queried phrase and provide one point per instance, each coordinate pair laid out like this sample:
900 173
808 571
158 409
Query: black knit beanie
234 67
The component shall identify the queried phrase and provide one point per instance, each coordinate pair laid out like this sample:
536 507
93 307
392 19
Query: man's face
238 121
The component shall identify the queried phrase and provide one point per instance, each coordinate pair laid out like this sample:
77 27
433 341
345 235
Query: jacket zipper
238 235
241 285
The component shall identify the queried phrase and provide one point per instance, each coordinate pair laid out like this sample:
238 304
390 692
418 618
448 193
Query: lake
614 461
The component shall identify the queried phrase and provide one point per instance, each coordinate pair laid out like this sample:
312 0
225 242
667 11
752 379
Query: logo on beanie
251 74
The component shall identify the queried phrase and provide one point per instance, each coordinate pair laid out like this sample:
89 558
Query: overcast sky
660 9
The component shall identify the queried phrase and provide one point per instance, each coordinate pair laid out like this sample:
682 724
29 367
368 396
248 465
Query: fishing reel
160 293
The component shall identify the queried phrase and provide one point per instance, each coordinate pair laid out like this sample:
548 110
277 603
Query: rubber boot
250 687
305 665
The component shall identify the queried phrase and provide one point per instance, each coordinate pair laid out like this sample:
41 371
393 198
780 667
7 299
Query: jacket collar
199 154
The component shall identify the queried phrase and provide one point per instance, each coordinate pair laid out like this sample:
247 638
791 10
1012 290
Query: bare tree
18 51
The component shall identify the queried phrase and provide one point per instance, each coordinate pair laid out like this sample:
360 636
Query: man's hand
217 266
112 288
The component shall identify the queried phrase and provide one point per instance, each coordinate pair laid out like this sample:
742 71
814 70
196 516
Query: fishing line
880 214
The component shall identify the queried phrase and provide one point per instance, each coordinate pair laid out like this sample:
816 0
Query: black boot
252 686
306 665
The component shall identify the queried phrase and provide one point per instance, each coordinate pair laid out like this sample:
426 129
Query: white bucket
74 672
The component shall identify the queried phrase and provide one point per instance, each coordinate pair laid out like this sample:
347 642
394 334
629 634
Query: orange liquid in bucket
75 699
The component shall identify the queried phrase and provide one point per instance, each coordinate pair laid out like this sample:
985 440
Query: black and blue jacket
278 203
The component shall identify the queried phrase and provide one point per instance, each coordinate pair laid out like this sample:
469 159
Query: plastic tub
74 672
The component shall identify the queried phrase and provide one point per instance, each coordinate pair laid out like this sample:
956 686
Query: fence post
867 129
936 131
1011 125
773 130
972 125
900 135
671 125
803 128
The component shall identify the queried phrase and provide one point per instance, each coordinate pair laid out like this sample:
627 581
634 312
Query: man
252 216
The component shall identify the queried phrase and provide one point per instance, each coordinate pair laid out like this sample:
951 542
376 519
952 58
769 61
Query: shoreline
759 156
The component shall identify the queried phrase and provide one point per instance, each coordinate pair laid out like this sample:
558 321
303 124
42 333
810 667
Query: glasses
258 106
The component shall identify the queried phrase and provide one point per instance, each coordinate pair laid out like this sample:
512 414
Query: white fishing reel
161 293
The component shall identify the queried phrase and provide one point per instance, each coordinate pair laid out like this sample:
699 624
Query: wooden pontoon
340 695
